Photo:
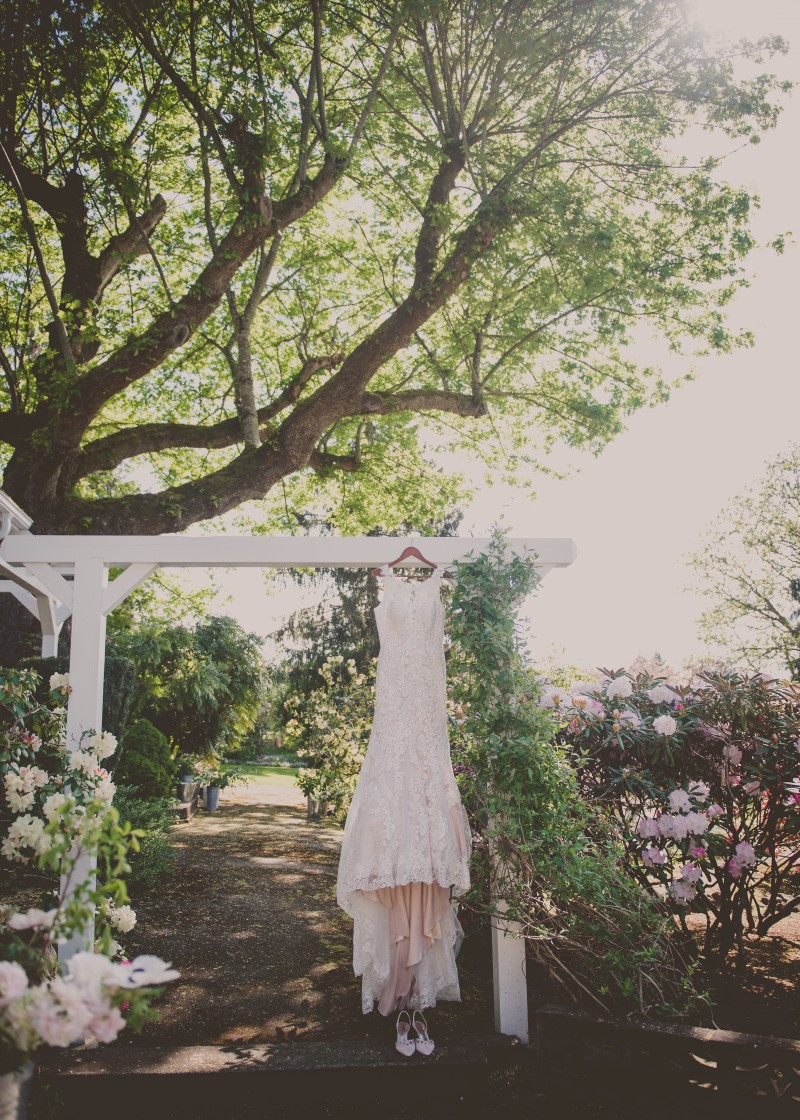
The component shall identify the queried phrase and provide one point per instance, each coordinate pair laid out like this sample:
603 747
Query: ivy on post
547 868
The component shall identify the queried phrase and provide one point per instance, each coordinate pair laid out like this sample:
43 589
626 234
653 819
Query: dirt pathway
250 919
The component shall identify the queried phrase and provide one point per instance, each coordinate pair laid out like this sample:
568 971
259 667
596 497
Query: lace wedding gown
405 854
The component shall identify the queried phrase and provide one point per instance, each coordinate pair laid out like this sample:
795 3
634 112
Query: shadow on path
250 919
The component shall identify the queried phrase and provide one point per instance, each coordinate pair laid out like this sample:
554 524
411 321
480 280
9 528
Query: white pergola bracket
126 582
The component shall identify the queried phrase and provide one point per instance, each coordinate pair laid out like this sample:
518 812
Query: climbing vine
538 845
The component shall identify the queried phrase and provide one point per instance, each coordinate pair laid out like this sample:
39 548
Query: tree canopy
261 250
749 567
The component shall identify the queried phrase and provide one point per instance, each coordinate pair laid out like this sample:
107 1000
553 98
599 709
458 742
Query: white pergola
56 577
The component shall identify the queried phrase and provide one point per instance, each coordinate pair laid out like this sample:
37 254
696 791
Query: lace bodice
406 822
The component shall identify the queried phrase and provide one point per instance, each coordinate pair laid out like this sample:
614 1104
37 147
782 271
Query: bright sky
644 504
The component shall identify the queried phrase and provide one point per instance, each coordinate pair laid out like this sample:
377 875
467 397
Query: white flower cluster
21 785
121 918
68 1008
28 832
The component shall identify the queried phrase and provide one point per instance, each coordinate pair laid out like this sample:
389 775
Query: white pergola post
85 708
34 566
509 977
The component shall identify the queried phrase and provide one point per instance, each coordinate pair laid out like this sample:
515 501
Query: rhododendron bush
58 796
329 728
703 784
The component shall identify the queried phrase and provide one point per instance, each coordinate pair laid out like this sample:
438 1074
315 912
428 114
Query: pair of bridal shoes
422 1043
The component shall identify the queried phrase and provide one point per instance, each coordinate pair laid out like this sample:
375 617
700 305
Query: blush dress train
406 847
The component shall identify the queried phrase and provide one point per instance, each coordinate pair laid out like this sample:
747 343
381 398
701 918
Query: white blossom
664 725
619 687
32 919
660 694
696 823
630 718
679 801
122 918
699 791
59 680
143 971
13 982
102 744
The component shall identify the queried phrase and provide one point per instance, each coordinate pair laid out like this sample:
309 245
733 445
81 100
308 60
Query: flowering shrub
703 783
60 801
329 728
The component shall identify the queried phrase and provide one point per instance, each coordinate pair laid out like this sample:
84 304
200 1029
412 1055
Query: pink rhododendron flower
648 826
699 790
714 810
751 787
733 754
653 856
683 892
690 872
746 854
13 982
699 852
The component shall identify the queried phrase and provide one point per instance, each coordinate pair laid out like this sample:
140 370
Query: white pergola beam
265 552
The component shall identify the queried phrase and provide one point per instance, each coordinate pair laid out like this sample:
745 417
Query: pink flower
13 982
734 780
690 872
652 856
751 787
746 854
683 892
734 867
648 826
714 810
699 852
106 1026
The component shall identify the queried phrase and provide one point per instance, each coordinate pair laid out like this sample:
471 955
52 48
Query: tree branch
108 452
174 327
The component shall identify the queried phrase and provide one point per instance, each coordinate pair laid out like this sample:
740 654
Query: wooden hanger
410 551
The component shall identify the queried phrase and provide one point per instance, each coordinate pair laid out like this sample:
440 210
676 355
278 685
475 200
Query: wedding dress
405 853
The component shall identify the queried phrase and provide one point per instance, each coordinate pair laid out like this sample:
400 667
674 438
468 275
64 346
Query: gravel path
250 919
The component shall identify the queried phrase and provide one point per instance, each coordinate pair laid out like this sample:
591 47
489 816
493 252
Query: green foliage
200 686
485 211
538 845
153 818
118 687
329 728
706 801
750 557
145 761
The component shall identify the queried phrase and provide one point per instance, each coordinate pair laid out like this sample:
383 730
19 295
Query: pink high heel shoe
404 1045
423 1044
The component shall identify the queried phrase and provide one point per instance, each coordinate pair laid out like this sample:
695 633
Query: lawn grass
254 771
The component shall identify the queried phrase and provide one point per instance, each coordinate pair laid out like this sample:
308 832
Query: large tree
257 248
749 567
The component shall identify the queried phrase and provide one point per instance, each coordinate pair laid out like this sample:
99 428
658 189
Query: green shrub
154 816
144 761
119 679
